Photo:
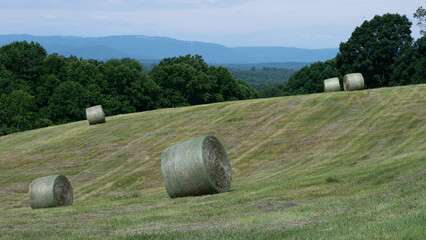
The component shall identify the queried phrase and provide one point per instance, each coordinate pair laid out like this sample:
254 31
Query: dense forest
38 90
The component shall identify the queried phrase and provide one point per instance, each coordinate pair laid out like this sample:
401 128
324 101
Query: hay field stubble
342 165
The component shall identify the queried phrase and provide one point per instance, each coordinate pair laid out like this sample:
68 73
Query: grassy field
345 165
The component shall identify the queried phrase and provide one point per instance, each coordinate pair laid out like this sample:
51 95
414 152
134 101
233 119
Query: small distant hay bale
95 115
353 81
196 167
50 191
331 85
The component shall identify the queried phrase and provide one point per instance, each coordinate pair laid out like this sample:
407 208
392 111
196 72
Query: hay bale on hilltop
353 81
196 167
50 191
331 85
95 115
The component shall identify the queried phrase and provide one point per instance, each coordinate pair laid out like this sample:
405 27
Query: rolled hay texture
196 167
95 115
50 191
353 81
331 85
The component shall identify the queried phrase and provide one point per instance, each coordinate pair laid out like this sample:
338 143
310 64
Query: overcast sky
290 23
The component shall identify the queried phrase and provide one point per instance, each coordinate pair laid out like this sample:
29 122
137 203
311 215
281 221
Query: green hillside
345 165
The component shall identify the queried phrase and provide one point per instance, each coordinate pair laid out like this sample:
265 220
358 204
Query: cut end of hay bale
95 115
331 85
217 163
353 81
63 191
196 167
50 191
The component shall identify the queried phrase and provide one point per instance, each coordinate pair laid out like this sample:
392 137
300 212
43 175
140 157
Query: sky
309 24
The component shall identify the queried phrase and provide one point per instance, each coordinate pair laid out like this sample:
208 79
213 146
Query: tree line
39 90
382 49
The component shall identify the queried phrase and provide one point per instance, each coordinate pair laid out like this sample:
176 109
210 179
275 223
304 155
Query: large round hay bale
331 85
196 167
50 191
353 81
95 115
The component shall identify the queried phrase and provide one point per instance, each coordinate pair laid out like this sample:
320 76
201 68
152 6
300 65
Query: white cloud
99 17
116 1
49 16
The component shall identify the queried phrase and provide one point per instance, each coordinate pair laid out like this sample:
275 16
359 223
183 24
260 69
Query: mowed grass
345 165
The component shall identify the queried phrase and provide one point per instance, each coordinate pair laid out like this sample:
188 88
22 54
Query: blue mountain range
156 48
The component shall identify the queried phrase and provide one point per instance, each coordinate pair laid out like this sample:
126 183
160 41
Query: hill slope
334 165
155 48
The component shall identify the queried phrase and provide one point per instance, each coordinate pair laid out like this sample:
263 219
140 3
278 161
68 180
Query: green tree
372 48
245 90
420 14
410 67
6 81
144 94
116 104
85 72
24 60
118 74
310 79
68 102
55 65
126 87
188 80
17 111
184 81
227 86
45 88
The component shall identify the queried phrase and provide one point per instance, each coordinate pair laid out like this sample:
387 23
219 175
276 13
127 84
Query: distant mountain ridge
156 48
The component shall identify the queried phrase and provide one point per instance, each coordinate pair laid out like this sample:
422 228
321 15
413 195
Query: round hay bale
196 167
353 81
331 85
50 191
95 115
